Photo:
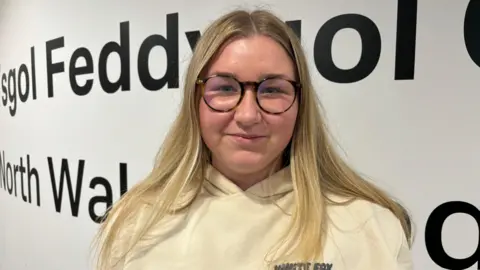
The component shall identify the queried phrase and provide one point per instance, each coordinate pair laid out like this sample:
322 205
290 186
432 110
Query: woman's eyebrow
272 75
259 78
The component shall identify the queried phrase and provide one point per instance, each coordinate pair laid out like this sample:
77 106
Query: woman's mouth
247 138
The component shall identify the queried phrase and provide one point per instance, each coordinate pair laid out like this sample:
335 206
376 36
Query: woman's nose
248 112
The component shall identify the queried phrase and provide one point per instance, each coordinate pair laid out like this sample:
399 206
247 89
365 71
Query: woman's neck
245 180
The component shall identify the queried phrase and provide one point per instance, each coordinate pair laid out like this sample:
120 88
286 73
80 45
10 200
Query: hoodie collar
278 183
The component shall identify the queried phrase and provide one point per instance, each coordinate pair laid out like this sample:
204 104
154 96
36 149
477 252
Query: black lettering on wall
12 91
371 48
107 199
11 174
406 39
123 179
1 96
471 31
123 51
4 90
65 177
53 68
34 75
11 183
296 26
32 173
170 44
433 235
193 37
74 71
18 85
20 169
4 175
23 74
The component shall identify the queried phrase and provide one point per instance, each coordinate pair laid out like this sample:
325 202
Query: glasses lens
276 95
222 93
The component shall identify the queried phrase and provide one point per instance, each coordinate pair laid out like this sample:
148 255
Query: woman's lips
247 138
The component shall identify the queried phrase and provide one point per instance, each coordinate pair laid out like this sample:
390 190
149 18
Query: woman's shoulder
371 224
123 226
361 211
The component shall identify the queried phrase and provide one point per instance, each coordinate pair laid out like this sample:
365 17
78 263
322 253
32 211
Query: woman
247 177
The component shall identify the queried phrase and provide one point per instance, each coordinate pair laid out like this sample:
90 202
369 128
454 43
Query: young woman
247 178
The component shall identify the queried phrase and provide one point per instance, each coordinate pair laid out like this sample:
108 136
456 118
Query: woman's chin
247 163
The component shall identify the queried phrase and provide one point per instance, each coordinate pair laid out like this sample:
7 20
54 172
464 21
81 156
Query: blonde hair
178 173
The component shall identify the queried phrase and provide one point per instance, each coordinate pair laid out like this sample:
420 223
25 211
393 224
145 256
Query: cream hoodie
230 229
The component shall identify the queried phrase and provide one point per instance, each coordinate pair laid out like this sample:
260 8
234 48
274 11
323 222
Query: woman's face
247 140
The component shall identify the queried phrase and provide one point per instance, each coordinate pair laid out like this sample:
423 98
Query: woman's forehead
252 58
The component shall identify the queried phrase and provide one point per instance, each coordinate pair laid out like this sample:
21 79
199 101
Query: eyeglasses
223 93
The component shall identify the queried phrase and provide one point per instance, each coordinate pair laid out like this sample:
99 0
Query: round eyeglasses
223 93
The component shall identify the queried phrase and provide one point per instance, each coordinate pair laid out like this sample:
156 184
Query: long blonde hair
178 173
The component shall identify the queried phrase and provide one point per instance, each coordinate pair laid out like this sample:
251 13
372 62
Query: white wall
418 136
